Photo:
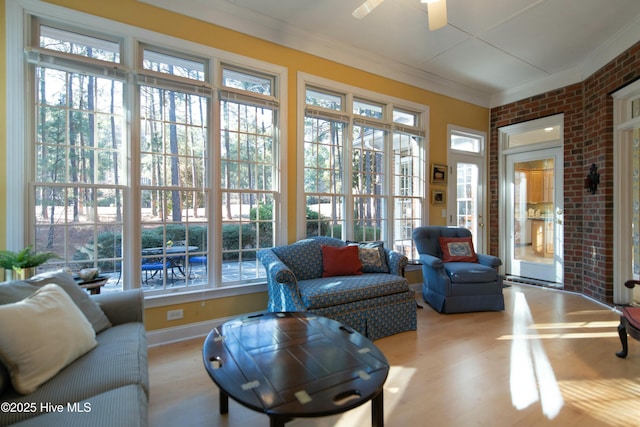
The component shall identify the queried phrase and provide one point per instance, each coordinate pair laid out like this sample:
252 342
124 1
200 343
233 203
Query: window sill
180 296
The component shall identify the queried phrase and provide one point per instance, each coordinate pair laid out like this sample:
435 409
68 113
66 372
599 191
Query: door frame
552 272
504 149
624 123
480 159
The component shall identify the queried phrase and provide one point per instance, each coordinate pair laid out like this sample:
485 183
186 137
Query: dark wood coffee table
295 365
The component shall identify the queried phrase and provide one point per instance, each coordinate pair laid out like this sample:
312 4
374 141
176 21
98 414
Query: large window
161 172
363 168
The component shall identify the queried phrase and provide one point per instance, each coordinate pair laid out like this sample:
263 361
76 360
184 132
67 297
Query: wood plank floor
547 360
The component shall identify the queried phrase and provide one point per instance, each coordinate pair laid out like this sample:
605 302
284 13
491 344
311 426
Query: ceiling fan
436 9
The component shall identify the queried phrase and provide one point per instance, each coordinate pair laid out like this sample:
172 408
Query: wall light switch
444 213
175 314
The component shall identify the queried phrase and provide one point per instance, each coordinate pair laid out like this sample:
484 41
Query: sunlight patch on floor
531 377
575 335
395 385
579 325
612 401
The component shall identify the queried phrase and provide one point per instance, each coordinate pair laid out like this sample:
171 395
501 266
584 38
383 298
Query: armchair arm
431 261
397 262
434 274
276 269
282 284
489 260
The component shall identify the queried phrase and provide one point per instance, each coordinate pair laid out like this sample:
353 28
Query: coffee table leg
377 410
276 421
224 402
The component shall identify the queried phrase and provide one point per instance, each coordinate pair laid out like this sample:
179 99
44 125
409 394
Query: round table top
294 364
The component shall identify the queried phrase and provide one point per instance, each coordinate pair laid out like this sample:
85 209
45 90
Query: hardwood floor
547 360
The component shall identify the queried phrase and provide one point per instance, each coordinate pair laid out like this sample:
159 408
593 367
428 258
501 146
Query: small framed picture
438 197
438 174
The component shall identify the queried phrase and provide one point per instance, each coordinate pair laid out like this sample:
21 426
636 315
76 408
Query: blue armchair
457 287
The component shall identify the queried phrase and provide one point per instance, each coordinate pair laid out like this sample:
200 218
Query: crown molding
225 14
599 57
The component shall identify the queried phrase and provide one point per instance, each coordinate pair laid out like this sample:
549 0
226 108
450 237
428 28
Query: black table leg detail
277 421
377 410
224 402
622 333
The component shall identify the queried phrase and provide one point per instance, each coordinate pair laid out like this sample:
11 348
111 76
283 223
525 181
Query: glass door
535 215
466 208
465 197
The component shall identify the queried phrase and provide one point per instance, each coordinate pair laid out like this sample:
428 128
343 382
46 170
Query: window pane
79 171
408 189
324 100
174 230
75 142
368 109
384 176
173 139
247 205
369 183
323 175
174 192
250 82
405 118
465 143
173 65
82 225
79 44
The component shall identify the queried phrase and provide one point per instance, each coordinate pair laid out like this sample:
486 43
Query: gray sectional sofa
107 386
377 302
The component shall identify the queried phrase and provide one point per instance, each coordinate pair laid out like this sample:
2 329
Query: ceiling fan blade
437 12
365 8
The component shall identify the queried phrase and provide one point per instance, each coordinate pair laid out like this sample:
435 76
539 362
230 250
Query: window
79 175
247 153
363 168
173 184
200 195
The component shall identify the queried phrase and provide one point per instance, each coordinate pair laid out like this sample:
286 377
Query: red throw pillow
342 261
457 249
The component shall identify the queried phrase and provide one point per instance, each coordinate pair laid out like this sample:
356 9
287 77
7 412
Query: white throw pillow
42 334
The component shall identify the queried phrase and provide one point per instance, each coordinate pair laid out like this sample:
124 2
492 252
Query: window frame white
305 80
20 168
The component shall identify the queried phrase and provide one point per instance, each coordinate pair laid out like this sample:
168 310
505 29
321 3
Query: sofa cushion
304 258
457 249
331 291
123 406
343 261
470 272
372 256
18 290
48 331
120 359
91 310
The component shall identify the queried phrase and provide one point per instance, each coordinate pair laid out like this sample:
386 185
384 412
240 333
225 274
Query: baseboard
186 332
202 329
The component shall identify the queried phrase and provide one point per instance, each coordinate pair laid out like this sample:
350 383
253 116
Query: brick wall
588 139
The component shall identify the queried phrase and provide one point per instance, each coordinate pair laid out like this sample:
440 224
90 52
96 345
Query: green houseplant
20 264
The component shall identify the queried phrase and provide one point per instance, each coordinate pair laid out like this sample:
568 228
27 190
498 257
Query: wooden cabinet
540 186
542 237
535 186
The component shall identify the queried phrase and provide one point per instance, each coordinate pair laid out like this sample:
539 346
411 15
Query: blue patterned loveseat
376 303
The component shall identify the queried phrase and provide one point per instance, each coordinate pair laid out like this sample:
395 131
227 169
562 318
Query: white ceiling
491 52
